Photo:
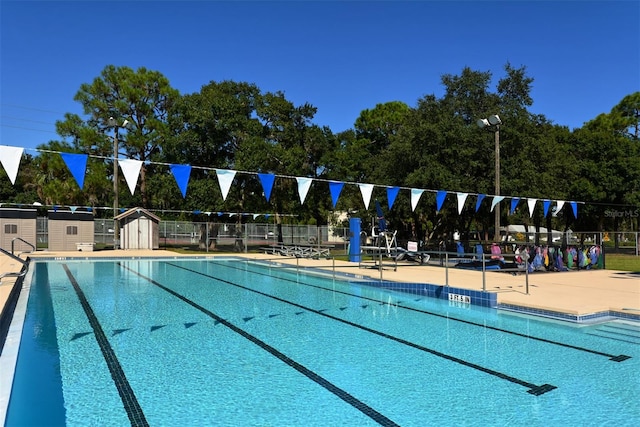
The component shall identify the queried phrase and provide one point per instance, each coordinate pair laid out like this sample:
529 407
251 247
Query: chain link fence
209 236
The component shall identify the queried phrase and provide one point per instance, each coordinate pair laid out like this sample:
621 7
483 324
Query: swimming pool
238 343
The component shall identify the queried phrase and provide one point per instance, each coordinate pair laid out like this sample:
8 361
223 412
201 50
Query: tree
140 97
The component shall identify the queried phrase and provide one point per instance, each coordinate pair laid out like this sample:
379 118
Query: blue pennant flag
514 204
546 205
392 193
335 187
267 179
77 164
181 173
440 196
574 207
479 202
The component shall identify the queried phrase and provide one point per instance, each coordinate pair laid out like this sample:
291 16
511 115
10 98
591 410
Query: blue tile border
469 296
576 318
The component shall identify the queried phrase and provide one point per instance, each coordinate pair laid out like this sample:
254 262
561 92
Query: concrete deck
575 293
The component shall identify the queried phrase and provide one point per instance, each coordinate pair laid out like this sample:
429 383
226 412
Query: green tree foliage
142 99
432 145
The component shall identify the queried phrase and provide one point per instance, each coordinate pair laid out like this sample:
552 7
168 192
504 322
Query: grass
622 262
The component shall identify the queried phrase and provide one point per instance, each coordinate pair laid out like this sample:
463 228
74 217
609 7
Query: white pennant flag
303 187
10 159
131 170
461 199
366 190
415 197
559 206
225 179
496 200
532 206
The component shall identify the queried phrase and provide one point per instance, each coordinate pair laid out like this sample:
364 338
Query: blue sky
340 56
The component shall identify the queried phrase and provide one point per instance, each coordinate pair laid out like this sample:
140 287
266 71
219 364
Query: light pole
495 122
116 229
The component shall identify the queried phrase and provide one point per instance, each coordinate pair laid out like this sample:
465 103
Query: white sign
460 298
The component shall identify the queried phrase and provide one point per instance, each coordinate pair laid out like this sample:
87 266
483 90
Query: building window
11 229
72 230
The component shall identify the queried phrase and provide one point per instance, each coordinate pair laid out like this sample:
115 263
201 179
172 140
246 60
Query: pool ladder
25 264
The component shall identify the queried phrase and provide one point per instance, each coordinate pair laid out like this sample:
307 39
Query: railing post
446 268
484 272
526 275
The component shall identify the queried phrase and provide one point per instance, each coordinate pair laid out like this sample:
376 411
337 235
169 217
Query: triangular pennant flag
440 196
574 206
479 201
366 190
415 197
392 193
303 187
546 205
77 164
462 197
73 209
267 179
560 205
131 171
10 159
181 174
225 179
255 216
514 204
495 201
335 187
532 206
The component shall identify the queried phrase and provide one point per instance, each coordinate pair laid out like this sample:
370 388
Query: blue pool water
235 343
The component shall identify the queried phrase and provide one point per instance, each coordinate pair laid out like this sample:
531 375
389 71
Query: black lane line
533 388
129 400
612 357
342 394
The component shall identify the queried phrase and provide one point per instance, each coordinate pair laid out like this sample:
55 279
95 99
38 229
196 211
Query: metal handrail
23 241
23 271
14 257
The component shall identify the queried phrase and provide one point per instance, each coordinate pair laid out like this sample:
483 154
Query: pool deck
576 293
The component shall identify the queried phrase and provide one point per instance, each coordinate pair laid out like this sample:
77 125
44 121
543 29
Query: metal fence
242 237
210 235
